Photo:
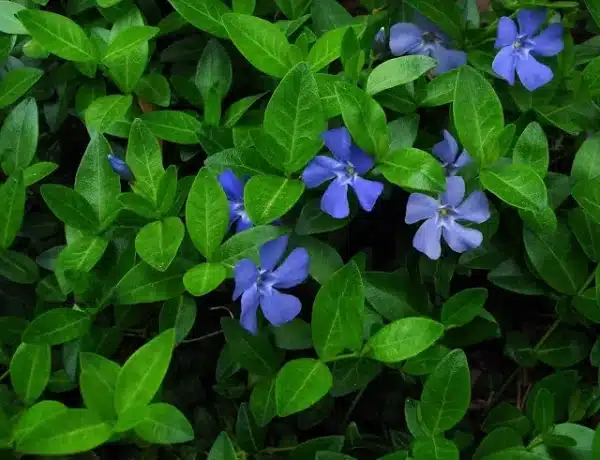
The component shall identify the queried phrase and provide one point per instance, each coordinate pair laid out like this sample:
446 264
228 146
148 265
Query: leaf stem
340 357
3 376
203 337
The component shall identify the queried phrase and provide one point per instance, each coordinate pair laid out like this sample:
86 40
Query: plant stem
203 337
3 376
340 357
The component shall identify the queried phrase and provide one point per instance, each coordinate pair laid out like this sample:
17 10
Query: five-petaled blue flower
345 169
442 217
234 189
447 152
426 39
259 286
519 47
120 167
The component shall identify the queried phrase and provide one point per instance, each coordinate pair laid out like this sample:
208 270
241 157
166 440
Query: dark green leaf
16 82
19 136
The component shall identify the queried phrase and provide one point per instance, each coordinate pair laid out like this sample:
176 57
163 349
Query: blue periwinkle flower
425 39
120 167
345 170
442 217
518 48
234 189
259 285
447 152
380 45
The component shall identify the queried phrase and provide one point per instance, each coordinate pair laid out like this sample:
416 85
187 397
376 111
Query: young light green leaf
266 198
157 243
59 34
19 136
440 90
204 278
70 207
245 245
30 371
403 339
16 82
12 197
326 49
447 393
206 15
70 432
338 313
56 326
36 415
585 166
144 157
178 313
463 307
206 213
518 185
82 254
164 424
587 195
413 169
126 40
300 384
97 384
9 24
38 171
478 115
262 43
398 71
294 118
105 111
531 149
143 373
174 126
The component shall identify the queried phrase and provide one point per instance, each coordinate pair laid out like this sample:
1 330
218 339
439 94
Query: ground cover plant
300 229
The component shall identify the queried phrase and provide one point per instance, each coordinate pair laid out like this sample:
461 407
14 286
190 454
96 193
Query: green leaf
155 89
12 197
144 157
128 39
393 295
398 71
56 326
204 278
243 6
174 126
443 13
30 371
248 434
206 15
17 267
435 448
447 393
97 384
70 207
105 111
157 243
440 90
253 352
324 260
313 220
462 308
236 111
262 43
178 313
38 171
329 14
564 348
19 136
403 339
266 198
164 424
350 375
586 232
60 35
531 149
293 9
594 9
424 363
587 195
326 49
245 245
300 384
35 416
513 277
497 440
9 24
138 204
365 119
70 432
518 185
222 449
557 259
214 70
16 82
585 165
478 115
96 181
241 161
543 411
413 169
294 118
143 373
143 284
206 213
338 313
82 254
262 401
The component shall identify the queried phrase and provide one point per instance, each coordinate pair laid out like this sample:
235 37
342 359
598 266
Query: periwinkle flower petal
338 141
280 308
404 38
250 301
335 200
475 208
533 74
530 21
427 239
120 167
420 207
505 64
293 270
234 190
461 239
245 275
367 192
549 42
272 251
455 191
507 32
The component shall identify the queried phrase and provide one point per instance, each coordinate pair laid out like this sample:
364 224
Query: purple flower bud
120 167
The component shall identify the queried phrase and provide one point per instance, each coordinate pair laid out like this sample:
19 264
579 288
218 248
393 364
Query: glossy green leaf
35 416
313 220
174 126
105 111
585 166
19 136
463 307
157 243
594 9
18 267
403 339
262 401
543 410
37 172
222 449
326 49
531 149
294 119
57 326
587 195
338 312
178 313
12 196
516 184
444 13
435 448
245 245
398 71
155 88
144 157
206 15
9 24
351 375
70 207
16 82
127 39
266 198
447 393
59 34
300 384
214 70
564 347
97 384
413 169
249 435
204 278
82 254
30 371
142 374
324 260
164 424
